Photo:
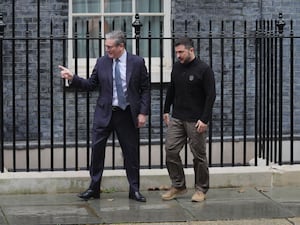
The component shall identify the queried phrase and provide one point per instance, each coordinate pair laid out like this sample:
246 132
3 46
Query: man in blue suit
122 106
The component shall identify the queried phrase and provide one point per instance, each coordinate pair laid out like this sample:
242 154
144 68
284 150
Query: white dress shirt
122 67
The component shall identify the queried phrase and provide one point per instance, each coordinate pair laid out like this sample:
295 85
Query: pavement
223 206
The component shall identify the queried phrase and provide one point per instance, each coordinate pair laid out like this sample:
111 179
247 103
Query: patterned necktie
120 91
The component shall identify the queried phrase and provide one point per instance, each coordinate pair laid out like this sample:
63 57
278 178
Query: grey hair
118 36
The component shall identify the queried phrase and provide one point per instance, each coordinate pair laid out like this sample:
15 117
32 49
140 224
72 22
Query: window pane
86 6
149 6
81 24
150 24
117 6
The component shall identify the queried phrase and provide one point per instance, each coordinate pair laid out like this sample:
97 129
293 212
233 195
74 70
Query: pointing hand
65 73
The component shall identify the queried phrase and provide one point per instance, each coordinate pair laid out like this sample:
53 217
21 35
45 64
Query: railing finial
137 25
280 23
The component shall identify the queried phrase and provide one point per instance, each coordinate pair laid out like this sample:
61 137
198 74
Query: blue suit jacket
138 88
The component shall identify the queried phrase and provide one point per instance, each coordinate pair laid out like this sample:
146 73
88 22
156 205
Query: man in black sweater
191 94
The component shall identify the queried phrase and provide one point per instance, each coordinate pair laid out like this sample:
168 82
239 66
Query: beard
188 59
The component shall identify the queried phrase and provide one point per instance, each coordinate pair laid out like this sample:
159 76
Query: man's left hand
201 127
141 120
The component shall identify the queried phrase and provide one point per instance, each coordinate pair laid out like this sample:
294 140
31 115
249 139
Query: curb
115 180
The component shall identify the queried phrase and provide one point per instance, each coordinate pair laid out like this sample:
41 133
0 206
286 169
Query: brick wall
239 11
57 12
26 67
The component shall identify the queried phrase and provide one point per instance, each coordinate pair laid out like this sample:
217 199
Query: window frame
155 61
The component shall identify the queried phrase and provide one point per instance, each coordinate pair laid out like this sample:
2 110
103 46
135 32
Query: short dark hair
118 36
186 41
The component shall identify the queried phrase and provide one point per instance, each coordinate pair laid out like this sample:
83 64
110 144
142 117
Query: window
94 18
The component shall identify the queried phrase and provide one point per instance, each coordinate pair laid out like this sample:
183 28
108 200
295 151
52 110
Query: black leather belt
115 108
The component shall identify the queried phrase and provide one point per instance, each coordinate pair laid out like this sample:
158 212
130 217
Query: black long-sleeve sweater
191 92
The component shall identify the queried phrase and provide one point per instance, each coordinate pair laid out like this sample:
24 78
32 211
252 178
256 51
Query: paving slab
45 209
227 222
283 194
118 208
54 214
287 197
2 219
224 206
229 204
295 221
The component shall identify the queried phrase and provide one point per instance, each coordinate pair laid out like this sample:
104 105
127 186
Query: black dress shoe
137 196
89 193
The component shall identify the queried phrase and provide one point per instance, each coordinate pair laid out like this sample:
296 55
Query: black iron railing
45 125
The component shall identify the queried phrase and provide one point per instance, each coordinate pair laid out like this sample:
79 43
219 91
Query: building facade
31 80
